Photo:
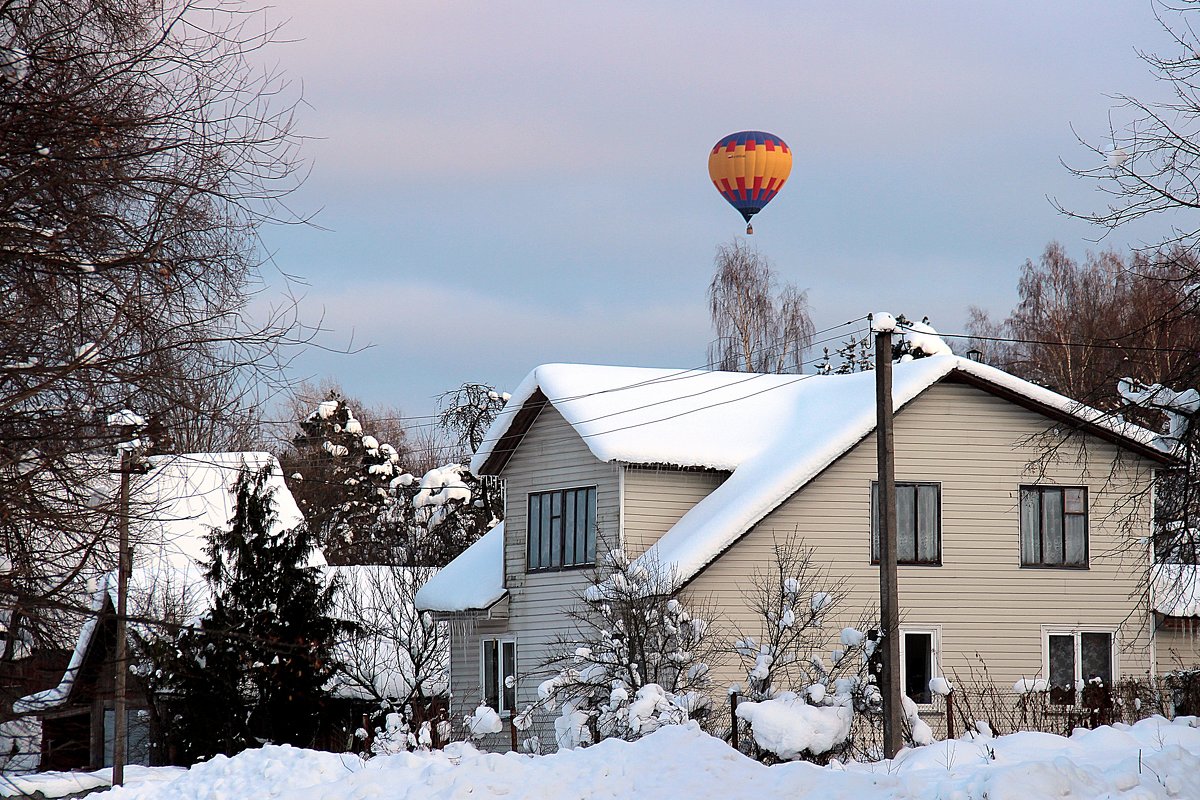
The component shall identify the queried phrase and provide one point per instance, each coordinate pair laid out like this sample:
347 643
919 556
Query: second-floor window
562 528
1054 526
918 523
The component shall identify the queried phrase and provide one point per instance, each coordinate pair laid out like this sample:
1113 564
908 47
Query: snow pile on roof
1175 589
172 508
175 504
474 580
1154 759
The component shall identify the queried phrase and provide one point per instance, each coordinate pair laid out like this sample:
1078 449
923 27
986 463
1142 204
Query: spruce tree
255 669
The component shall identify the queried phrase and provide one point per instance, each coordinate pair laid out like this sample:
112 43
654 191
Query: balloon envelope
749 168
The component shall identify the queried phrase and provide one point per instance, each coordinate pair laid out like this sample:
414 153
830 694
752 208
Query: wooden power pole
889 599
121 665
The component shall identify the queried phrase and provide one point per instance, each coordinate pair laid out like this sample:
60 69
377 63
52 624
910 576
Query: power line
1048 342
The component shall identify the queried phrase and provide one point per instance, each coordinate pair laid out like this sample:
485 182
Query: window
137 736
918 654
499 665
918 523
1074 658
1054 526
562 528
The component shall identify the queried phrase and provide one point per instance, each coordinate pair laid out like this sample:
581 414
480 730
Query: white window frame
500 642
935 666
1074 633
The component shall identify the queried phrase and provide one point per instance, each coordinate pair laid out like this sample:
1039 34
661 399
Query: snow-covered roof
175 504
1175 589
172 508
473 581
722 420
50 698
773 432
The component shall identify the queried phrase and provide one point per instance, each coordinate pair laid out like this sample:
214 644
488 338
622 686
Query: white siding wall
656 498
1177 645
988 609
551 456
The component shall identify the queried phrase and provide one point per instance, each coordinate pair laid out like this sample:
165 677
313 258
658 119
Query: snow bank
1153 760
61 784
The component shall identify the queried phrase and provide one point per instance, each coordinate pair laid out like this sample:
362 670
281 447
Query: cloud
428 337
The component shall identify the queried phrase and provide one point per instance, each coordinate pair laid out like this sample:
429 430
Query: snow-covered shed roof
173 505
1175 589
773 432
473 581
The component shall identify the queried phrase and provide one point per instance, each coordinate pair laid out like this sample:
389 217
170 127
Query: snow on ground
1153 759
58 784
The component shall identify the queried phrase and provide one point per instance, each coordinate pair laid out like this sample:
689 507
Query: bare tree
140 153
1150 164
1079 327
398 656
759 327
639 656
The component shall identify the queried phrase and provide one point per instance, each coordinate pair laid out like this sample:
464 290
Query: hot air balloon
749 168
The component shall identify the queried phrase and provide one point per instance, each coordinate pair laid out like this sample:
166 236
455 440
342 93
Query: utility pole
121 666
889 599
128 423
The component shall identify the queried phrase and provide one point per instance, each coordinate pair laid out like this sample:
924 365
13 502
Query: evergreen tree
255 669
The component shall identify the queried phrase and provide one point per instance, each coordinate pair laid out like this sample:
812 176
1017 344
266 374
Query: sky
499 185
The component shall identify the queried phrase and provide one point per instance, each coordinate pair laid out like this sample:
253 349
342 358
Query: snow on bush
484 721
636 661
1030 685
922 338
919 732
789 727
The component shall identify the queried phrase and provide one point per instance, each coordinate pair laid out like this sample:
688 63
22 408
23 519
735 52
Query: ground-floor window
1075 658
498 663
137 736
919 661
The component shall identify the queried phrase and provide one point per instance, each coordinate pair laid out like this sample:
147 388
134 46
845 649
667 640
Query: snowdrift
1155 758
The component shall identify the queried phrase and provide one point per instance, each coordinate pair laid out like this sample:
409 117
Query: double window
498 663
1054 526
1075 658
562 528
918 523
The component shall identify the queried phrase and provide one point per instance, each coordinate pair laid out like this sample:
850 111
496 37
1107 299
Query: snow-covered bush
482 722
638 658
790 726
795 655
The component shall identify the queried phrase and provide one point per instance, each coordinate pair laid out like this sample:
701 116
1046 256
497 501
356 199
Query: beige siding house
1023 557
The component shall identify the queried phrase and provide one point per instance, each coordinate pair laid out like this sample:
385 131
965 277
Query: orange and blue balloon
749 168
